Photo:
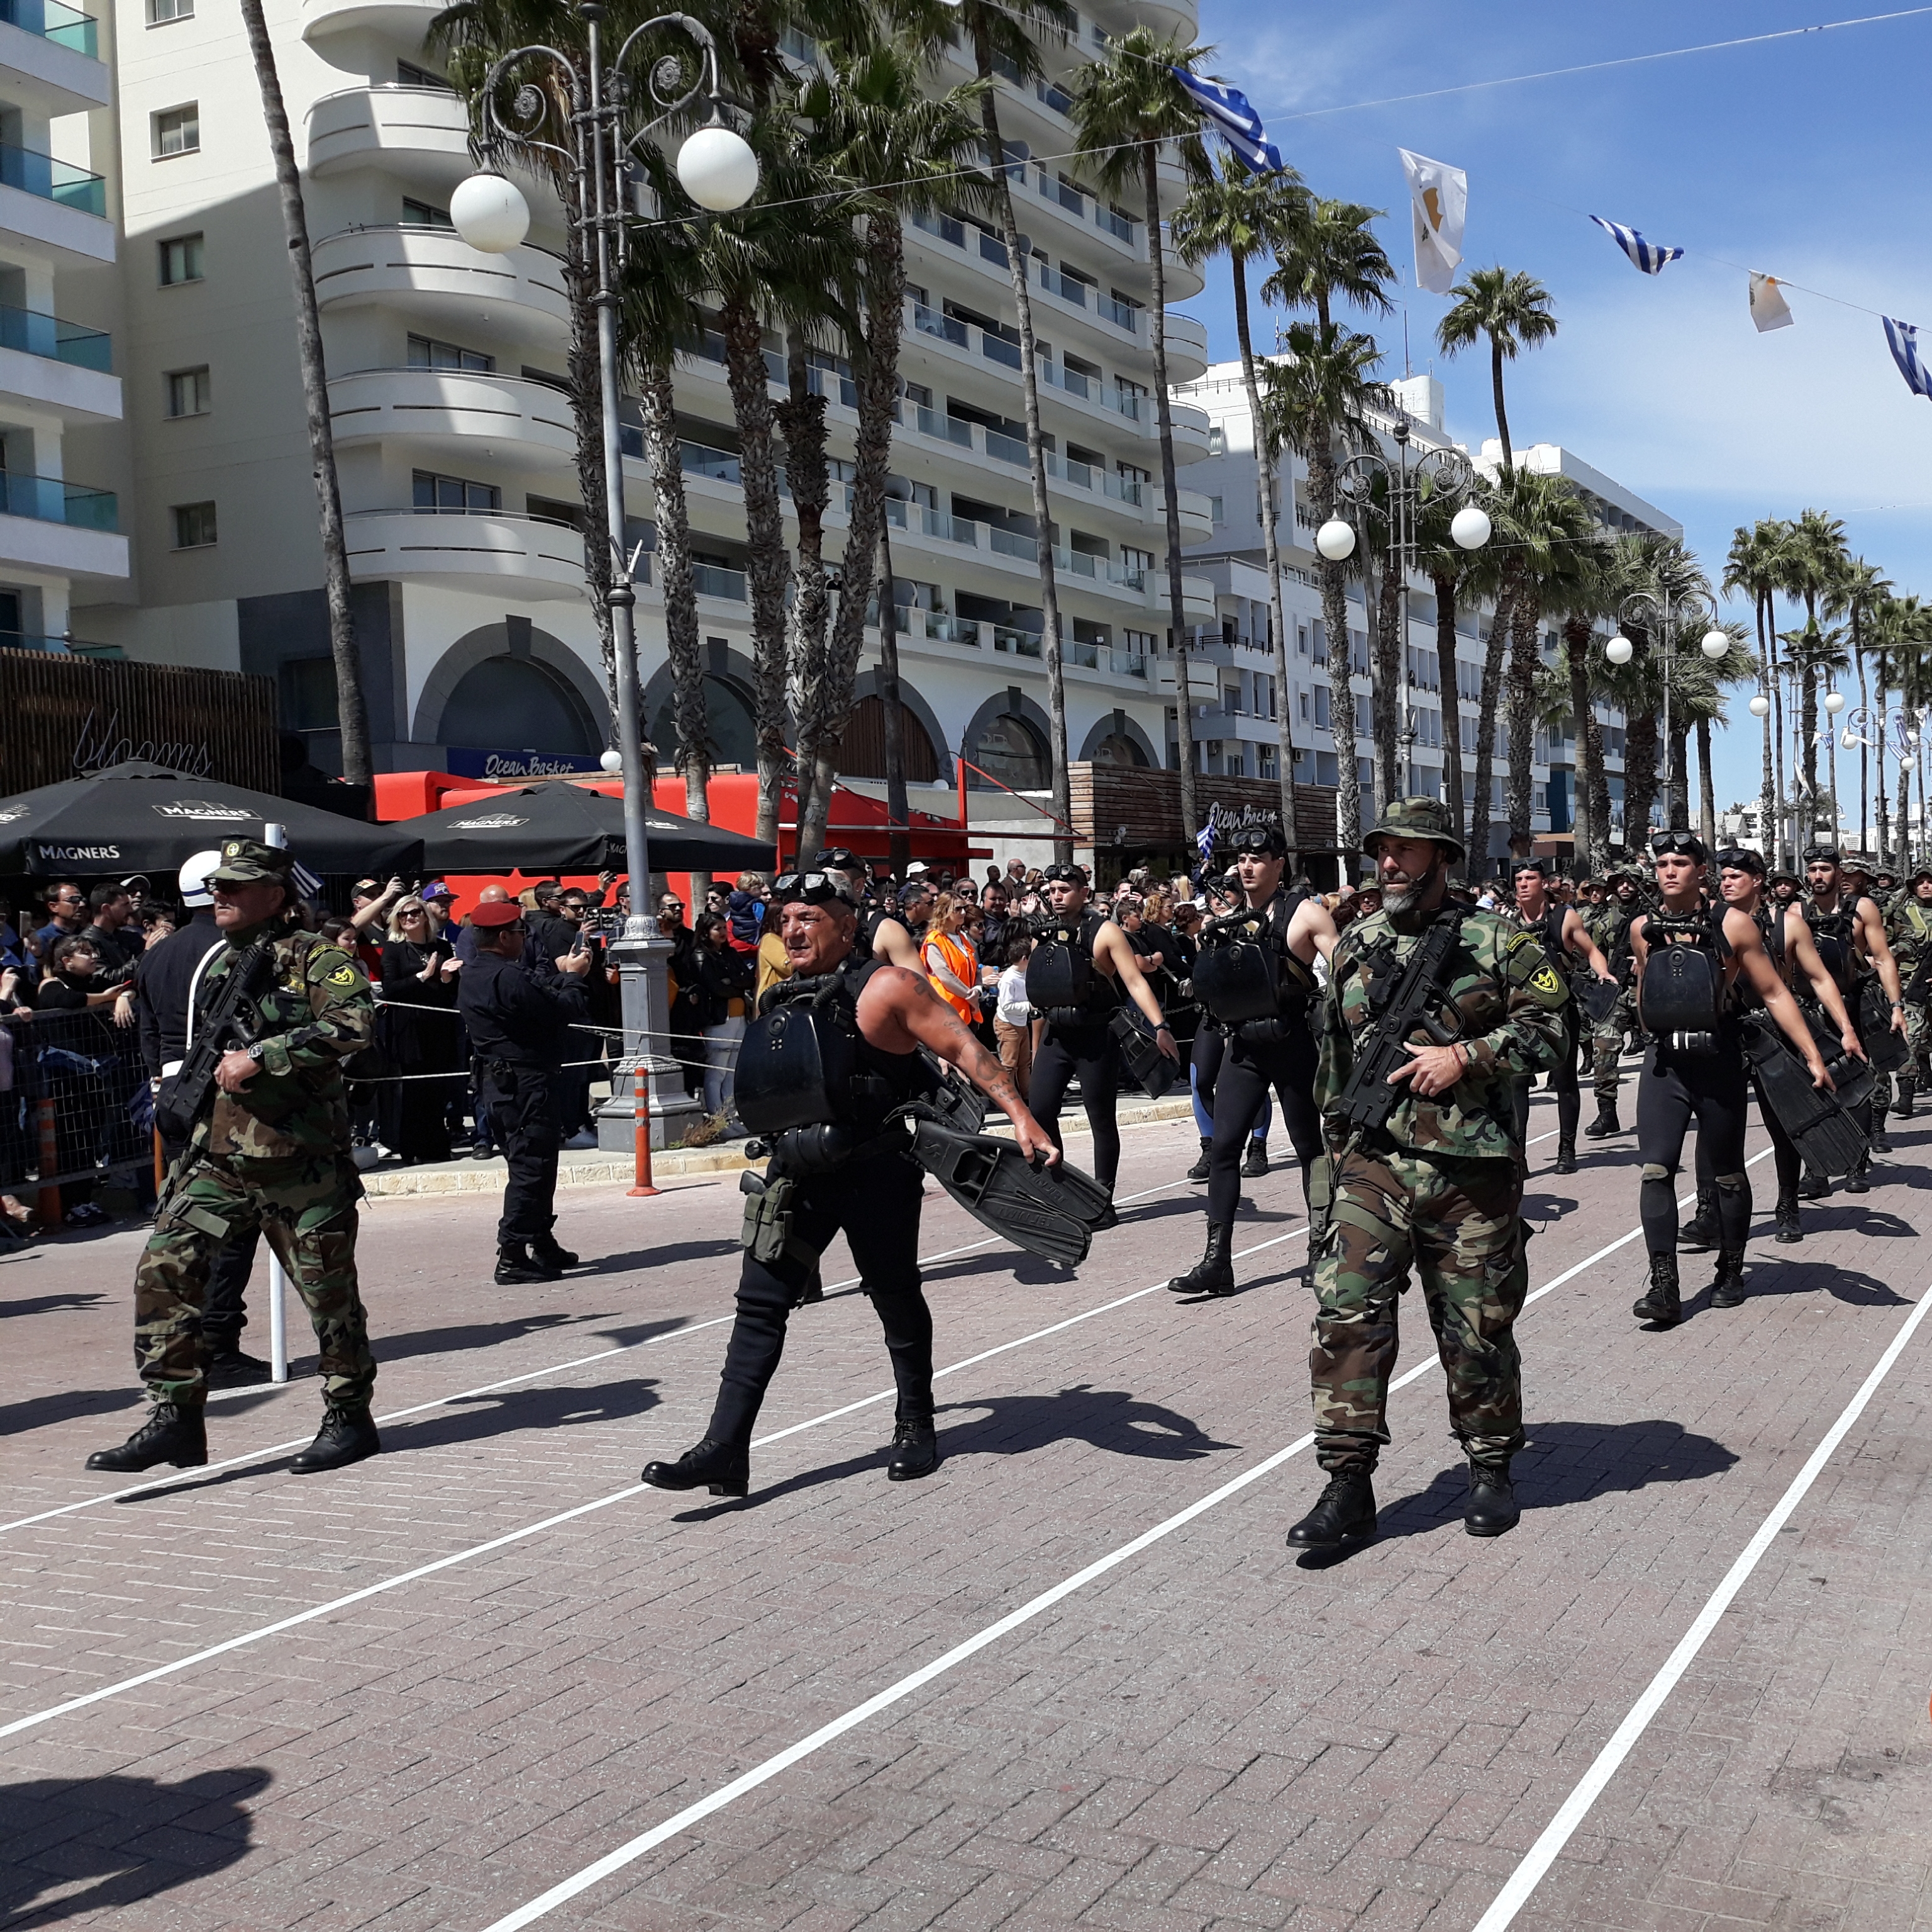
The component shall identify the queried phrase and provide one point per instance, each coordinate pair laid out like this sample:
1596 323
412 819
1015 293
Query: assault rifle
188 1093
1368 1099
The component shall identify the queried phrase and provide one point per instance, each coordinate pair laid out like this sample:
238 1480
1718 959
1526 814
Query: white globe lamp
1470 527
1835 702
1760 706
1620 650
717 170
1336 539
1716 644
613 762
490 213
1849 739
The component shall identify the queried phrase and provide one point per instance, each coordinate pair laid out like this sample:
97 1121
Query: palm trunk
690 707
1865 752
1524 614
1268 463
1042 512
1707 796
1768 794
1905 814
1591 830
1389 685
1680 770
801 423
1807 731
1641 770
587 410
1502 415
1884 811
898 842
877 372
1494 655
352 711
764 533
1448 675
1777 720
1341 690
1164 421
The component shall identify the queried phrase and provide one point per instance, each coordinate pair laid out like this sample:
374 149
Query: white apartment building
60 544
1238 734
456 449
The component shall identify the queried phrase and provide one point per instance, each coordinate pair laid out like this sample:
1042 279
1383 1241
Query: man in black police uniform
519 1019
845 1171
165 979
1274 1048
1085 953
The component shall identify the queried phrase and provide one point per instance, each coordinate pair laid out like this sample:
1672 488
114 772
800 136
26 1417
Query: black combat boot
173 1433
1727 1284
1492 1508
1198 1171
1345 1513
544 1251
715 1466
1908 1090
1566 1157
1606 1123
1699 1234
1214 1273
1789 1228
1256 1165
516 1264
229 1368
915 1449
1858 1180
347 1434
1816 1186
1662 1304
1881 1141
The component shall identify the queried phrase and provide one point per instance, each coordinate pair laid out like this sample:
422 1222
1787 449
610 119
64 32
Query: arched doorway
1011 753
862 752
1117 748
734 737
519 703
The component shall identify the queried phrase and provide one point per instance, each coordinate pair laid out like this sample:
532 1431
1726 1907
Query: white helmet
192 878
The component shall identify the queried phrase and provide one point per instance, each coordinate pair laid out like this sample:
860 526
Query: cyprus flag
1439 194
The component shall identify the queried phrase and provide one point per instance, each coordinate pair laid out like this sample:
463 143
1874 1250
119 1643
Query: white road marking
1524 1880
156 1484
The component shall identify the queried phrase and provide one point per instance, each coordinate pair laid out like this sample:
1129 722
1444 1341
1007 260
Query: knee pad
1732 1183
1652 1172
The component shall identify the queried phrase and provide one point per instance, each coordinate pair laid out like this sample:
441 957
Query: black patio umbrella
139 817
567 828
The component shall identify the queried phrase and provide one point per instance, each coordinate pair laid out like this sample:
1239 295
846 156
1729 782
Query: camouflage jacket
318 1011
1503 999
1908 929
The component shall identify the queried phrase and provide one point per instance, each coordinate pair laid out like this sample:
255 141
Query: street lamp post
1469 528
597 141
1654 612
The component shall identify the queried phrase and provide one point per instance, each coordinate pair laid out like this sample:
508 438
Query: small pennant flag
1769 308
1234 120
1439 198
1902 339
1645 255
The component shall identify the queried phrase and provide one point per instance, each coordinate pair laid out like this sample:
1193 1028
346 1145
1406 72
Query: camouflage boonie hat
1414 818
244 861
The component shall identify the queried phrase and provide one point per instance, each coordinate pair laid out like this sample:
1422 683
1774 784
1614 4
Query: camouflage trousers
306 1210
1918 1043
1606 1046
1458 1224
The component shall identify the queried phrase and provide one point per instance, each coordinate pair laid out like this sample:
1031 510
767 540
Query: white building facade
60 539
456 448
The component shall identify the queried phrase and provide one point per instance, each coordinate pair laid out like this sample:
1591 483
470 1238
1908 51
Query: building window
188 393
1215 510
178 131
426 352
161 12
181 260
420 215
1217 440
194 526
308 694
453 494
408 74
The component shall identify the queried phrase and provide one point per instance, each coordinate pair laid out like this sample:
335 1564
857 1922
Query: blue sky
1797 157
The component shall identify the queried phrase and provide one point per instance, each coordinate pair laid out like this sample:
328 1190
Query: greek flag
1645 255
1902 339
1236 123
307 885
1205 838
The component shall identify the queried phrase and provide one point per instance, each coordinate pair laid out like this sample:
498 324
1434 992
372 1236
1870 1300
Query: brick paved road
1211 1734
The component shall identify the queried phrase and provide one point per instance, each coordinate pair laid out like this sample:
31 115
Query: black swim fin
1049 1211
1826 1136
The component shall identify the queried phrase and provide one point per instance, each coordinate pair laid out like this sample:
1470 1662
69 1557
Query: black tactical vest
1835 935
1064 984
1681 997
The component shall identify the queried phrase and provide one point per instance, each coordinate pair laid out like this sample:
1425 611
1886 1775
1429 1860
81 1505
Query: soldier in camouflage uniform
1909 929
273 1153
1611 932
1439 1188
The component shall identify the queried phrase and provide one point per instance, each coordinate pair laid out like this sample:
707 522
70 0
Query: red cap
498 912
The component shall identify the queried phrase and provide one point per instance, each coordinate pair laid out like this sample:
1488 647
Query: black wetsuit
1078 1041
1835 935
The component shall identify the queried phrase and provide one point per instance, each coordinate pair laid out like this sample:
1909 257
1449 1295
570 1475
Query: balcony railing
37 334
49 499
50 19
1122 315
938 628
36 173
714 579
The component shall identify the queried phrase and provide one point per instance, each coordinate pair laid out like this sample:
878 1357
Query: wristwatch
254 1052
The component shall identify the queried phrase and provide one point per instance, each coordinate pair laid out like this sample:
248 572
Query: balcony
57 366
400 19
450 410
66 528
49 500
434 275
54 205
935 627
489 551
51 53
423 131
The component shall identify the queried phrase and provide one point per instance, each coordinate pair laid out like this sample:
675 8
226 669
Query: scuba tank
1063 985
1834 934
1681 997
1253 985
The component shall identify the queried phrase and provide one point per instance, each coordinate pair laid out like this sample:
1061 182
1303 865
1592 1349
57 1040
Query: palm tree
1859 589
352 710
1814 652
1125 108
1751 567
1447 565
1314 398
1242 214
1660 567
1512 310
1004 37
1697 702
1587 591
